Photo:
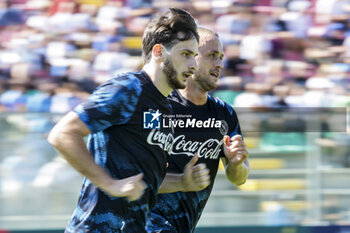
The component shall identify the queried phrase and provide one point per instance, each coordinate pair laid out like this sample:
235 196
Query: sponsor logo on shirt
209 149
161 139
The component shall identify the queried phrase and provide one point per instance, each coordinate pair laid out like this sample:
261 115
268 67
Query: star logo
151 119
156 115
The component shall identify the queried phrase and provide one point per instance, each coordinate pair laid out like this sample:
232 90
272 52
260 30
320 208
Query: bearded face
172 75
210 64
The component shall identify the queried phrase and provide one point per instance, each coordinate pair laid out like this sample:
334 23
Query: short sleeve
235 128
233 122
112 103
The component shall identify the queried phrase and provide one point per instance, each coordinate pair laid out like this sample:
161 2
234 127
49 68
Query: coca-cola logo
209 149
161 139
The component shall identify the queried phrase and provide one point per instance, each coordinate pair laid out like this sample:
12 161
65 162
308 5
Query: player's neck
158 78
194 94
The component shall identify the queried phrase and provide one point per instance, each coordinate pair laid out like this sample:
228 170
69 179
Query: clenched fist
235 149
132 187
195 177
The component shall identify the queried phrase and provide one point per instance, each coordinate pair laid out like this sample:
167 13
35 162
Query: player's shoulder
220 104
129 81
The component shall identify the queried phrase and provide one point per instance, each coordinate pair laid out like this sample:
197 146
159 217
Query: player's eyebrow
216 52
190 52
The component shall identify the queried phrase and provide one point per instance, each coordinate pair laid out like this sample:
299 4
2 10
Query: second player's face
209 62
180 63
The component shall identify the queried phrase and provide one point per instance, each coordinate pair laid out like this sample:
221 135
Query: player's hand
235 150
195 178
132 187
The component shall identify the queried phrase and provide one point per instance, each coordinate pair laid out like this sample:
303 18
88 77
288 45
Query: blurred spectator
83 42
10 16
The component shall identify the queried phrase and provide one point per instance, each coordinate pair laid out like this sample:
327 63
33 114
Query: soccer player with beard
125 162
186 187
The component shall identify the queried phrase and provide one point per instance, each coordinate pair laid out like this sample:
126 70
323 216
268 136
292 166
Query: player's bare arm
236 159
68 139
194 178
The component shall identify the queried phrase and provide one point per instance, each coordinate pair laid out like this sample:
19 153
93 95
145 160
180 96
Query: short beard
204 83
171 75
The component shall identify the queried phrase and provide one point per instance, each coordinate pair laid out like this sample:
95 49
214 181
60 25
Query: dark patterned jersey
198 129
123 117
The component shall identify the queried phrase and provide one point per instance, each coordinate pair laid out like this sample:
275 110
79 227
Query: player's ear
158 52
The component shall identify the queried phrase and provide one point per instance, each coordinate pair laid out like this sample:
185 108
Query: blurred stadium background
278 54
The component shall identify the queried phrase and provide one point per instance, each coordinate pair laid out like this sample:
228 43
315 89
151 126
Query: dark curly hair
169 28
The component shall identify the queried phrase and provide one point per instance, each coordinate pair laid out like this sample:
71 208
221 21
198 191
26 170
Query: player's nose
193 65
